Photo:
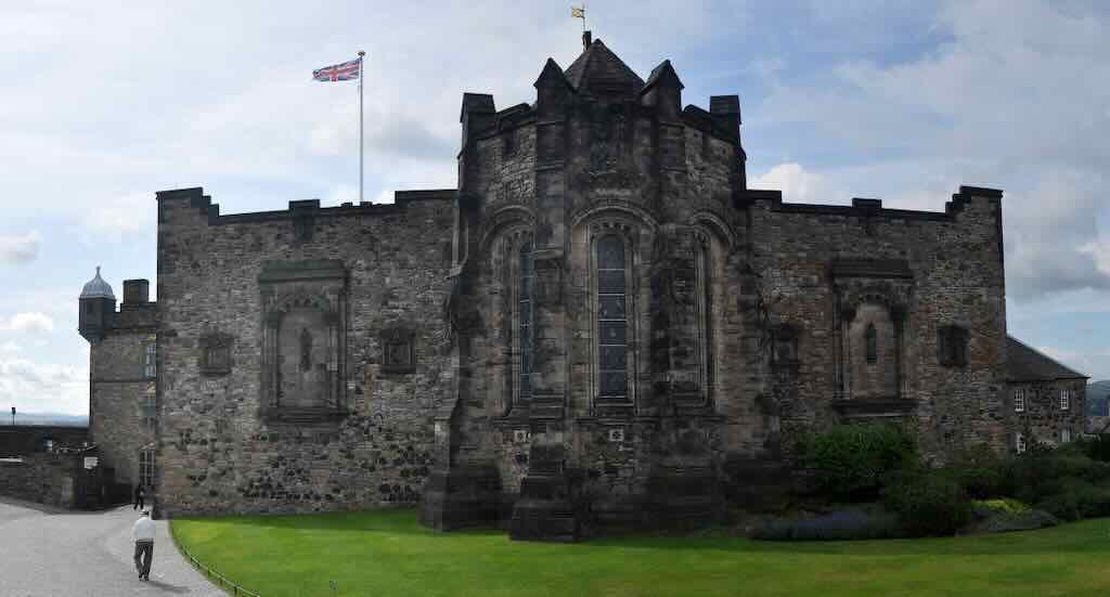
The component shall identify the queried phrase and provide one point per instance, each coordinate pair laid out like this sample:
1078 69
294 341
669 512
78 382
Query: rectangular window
150 412
1065 399
952 344
150 359
1019 443
146 467
1019 400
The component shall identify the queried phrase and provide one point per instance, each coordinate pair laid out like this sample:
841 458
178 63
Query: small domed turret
97 304
97 288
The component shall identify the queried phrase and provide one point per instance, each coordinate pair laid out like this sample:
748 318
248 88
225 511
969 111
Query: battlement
196 199
870 208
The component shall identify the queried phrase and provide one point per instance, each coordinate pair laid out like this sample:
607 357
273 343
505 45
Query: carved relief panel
304 307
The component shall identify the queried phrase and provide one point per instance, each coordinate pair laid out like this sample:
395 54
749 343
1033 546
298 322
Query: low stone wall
47 478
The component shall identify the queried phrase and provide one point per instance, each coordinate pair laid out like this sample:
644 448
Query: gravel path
48 552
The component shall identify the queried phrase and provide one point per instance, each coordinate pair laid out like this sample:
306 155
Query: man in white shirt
143 534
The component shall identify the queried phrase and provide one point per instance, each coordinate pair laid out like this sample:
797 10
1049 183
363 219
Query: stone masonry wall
1043 421
957 279
217 452
119 395
45 478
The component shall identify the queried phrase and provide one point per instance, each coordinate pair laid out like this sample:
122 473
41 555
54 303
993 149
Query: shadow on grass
1082 537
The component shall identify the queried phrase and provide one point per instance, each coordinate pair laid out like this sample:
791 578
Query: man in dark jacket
139 495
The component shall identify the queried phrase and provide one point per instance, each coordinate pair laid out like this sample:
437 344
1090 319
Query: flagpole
360 160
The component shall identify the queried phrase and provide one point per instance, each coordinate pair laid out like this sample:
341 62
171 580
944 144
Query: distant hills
1098 398
59 419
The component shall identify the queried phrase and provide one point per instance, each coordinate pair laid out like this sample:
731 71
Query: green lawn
388 553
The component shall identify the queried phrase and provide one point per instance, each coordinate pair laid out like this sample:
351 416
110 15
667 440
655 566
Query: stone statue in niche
303 340
304 383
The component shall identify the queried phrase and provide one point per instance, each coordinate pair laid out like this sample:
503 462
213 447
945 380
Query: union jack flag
338 72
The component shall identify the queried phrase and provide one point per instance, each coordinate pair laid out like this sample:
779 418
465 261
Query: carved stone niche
398 350
873 298
304 341
214 359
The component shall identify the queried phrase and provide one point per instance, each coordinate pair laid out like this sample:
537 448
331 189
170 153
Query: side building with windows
123 374
1049 400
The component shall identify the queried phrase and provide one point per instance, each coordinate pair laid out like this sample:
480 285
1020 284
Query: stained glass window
612 316
524 319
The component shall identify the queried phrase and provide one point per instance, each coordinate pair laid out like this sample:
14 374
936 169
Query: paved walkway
51 552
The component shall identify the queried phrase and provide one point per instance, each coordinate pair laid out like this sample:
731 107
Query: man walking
143 534
140 493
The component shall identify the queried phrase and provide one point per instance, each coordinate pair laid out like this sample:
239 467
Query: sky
106 103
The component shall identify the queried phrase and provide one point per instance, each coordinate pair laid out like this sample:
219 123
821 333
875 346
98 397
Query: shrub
1043 473
981 472
1097 447
851 462
928 502
998 506
835 526
1005 522
1077 499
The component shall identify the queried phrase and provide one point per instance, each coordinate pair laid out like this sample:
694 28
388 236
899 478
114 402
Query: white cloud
43 387
22 248
117 217
32 322
796 183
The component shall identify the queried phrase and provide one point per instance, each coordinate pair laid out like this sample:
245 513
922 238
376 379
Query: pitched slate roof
599 66
1025 364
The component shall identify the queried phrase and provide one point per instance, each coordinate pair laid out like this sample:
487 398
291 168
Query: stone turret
97 303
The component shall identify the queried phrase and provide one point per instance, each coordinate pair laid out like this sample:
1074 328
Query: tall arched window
704 321
525 285
871 344
612 318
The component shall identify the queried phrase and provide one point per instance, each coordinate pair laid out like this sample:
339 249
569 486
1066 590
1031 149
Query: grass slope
387 553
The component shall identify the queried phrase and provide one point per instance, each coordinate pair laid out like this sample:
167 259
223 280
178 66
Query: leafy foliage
928 502
851 462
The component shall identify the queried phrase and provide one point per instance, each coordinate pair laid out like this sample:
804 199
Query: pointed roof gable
663 74
599 69
551 74
1025 364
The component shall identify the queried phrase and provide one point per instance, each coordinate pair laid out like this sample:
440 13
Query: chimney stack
587 39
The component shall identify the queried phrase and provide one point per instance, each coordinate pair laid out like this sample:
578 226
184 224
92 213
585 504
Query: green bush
928 502
1076 500
851 462
981 472
1043 473
999 506
1097 447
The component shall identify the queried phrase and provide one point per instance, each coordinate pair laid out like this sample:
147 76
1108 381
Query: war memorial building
601 327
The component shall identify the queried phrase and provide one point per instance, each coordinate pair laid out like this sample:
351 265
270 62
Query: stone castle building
602 326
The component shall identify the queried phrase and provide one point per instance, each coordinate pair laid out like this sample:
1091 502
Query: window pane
614 358
613 332
610 281
611 307
610 253
613 383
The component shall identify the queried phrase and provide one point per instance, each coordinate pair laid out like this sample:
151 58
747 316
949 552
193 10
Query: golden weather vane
579 12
